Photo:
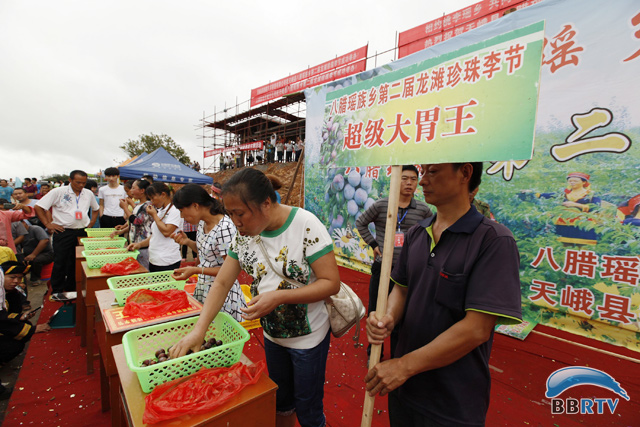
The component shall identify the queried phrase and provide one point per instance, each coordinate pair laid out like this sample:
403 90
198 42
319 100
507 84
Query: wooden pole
598 350
385 273
293 180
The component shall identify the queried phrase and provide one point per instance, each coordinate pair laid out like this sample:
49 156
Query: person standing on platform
280 150
410 211
69 205
298 148
288 149
272 241
111 213
164 252
456 277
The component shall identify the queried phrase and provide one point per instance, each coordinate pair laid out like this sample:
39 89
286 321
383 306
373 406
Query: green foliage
56 177
149 143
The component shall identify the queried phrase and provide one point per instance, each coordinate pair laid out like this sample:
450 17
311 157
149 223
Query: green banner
474 104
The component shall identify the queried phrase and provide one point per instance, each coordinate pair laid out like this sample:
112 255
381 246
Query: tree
151 143
56 177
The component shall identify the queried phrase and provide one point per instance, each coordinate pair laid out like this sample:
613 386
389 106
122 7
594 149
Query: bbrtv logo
566 378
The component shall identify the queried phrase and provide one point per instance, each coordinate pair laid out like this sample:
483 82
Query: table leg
124 418
81 312
91 315
104 388
79 300
114 397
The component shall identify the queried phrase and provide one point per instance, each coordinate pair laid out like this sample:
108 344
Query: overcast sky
80 78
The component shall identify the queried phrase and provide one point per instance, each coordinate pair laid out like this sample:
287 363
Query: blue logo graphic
565 378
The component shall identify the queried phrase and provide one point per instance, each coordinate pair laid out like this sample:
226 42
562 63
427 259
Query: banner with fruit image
579 246
461 106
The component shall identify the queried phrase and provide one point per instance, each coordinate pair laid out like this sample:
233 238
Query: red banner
454 24
247 146
295 82
356 67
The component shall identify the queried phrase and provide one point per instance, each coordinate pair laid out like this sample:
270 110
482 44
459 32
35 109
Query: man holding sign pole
456 277
410 211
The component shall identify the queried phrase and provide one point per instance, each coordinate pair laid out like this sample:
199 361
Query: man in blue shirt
5 190
456 277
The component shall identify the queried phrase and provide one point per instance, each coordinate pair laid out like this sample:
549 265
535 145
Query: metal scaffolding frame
285 117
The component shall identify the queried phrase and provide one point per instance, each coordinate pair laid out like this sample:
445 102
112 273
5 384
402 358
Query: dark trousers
9 348
403 415
153 268
191 235
107 221
374 284
280 155
42 259
63 275
289 155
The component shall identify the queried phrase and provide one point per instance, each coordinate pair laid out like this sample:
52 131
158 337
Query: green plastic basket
103 242
99 232
123 286
141 344
97 260
123 293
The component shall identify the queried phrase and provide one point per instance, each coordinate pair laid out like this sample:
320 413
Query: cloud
81 78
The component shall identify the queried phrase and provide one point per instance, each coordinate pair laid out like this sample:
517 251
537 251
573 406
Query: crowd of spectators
274 150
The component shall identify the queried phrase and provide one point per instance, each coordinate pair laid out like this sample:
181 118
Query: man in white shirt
111 214
70 205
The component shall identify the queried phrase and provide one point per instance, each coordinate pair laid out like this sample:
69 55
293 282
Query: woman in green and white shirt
294 319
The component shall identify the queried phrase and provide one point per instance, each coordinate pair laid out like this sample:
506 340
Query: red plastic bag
148 304
121 268
200 392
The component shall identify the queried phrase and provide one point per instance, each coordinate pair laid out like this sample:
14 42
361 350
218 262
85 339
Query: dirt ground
284 171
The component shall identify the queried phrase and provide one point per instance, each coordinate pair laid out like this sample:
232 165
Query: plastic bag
148 304
121 268
198 393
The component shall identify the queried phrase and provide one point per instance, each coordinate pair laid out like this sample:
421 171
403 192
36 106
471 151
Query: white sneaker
64 296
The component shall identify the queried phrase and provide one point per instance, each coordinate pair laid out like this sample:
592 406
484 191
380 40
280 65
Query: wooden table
80 313
109 382
94 280
254 406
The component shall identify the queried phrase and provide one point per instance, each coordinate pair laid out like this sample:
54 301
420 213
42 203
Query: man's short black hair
74 173
45 184
111 172
90 184
28 179
476 175
19 188
411 168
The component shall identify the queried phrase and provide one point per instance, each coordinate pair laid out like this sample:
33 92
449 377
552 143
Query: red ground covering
54 390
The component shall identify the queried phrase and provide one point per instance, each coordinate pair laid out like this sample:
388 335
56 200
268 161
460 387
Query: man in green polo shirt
457 276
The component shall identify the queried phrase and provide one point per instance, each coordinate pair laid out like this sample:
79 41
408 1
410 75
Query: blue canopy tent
163 167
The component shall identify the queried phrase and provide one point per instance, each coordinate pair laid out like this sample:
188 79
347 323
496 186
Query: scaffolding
284 117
